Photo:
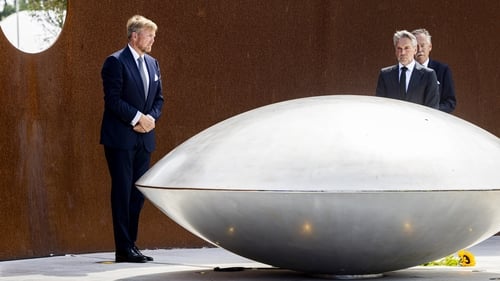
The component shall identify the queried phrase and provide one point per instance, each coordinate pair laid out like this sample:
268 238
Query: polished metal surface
343 185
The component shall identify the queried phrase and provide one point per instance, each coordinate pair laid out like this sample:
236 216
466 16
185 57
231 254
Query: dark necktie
402 80
143 75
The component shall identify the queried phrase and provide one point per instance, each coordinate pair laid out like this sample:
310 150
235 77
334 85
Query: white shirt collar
134 53
410 66
426 63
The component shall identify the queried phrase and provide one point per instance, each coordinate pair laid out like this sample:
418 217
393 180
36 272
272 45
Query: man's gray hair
404 34
424 32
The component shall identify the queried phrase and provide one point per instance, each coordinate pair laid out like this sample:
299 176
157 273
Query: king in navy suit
132 105
408 80
448 100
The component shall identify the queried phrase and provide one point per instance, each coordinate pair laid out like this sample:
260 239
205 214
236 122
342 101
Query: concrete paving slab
199 265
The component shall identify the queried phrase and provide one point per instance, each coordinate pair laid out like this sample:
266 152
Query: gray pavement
199 265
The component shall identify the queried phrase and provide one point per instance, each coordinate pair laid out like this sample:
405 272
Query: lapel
415 77
394 73
431 64
132 67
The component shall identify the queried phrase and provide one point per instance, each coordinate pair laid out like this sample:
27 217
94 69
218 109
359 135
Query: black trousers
125 168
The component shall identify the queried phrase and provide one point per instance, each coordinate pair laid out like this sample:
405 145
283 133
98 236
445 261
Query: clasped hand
145 125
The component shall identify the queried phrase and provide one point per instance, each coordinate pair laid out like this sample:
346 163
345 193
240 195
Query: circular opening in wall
32 26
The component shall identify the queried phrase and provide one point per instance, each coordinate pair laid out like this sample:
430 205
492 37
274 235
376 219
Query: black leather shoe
129 255
140 254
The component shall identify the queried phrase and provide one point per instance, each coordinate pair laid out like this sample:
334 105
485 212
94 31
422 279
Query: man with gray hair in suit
408 80
447 100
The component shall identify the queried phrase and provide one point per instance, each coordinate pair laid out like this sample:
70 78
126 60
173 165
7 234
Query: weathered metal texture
344 185
218 59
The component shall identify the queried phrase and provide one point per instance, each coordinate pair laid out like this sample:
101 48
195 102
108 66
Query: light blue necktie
143 76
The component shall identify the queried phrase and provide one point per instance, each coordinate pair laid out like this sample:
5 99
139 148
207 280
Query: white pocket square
156 77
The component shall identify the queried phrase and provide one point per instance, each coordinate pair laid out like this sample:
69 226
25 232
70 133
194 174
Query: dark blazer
124 96
422 89
447 101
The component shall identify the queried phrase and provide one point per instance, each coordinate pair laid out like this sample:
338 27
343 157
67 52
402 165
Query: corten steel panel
218 59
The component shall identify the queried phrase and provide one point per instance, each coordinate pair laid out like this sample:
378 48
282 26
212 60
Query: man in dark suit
448 100
132 104
408 80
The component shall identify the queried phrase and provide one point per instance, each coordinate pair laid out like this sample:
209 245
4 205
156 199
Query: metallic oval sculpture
340 185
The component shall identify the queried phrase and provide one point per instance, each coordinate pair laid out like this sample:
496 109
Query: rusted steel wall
218 59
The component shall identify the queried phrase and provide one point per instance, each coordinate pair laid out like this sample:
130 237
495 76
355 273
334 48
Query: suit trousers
125 168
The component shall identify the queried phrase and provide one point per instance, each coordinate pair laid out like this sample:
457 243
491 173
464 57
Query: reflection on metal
335 185
36 27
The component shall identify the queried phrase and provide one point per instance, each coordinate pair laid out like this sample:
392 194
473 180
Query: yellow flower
466 258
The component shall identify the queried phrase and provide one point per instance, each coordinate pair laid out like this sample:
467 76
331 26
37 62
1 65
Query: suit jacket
447 101
422 89
124 96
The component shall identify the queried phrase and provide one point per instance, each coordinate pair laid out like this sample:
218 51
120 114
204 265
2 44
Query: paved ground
199 265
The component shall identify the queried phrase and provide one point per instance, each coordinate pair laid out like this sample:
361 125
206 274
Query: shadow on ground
273 274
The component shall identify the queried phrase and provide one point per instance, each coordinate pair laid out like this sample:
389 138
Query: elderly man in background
447 100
